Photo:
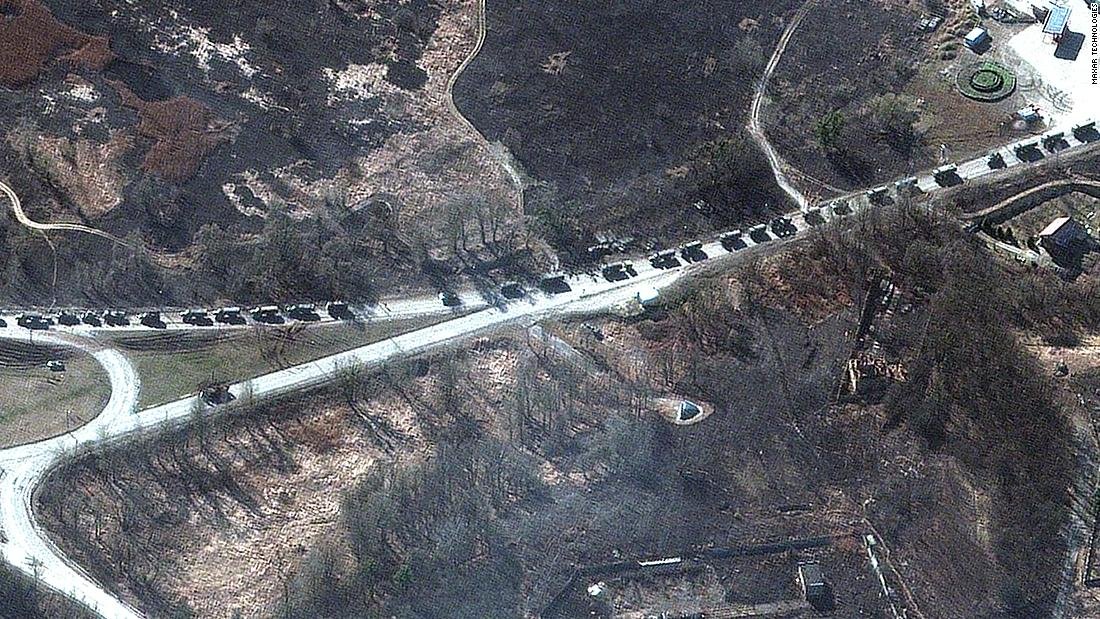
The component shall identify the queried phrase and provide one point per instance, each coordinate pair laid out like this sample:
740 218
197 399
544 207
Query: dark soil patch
31 39
182 134
22 355
628 111
839 59
164 342
141 80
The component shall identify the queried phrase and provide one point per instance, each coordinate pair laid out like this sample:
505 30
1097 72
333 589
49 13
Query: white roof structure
648 296
976 36
1054 226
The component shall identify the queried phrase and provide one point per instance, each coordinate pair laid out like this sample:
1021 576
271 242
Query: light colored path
28 548
513 174
21 217
756 126
24 545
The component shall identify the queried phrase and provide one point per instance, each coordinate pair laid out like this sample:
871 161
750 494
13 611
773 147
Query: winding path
513 174
25 546
756 127
21 217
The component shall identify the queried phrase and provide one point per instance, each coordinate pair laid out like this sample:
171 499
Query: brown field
183 132
31 40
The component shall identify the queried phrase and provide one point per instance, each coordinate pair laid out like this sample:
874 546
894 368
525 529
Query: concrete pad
1062 79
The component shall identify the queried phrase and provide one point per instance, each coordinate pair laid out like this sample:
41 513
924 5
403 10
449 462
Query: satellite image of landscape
494 309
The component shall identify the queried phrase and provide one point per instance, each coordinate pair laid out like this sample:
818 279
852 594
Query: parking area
1059 68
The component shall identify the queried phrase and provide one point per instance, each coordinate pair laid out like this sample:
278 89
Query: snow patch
196 41
356 81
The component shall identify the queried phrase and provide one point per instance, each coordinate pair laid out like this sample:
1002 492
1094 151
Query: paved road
24 545
27 547
23 468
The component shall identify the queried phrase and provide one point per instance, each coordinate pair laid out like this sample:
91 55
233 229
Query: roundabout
986 81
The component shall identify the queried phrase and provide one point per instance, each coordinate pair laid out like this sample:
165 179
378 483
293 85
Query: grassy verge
36 403
174 364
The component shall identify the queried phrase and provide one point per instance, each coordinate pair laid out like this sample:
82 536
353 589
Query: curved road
23 468
756 127
21 217
28 548
24 545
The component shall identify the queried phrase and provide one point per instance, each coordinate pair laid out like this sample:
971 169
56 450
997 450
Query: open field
893 89
622 116
171 365
36 403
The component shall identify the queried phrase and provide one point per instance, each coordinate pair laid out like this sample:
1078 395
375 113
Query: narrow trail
1072 183
162 260
513 174
756 127
21 217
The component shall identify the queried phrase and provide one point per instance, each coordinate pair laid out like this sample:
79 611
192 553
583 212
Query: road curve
27 547
756 127
24 544
21 217
24 467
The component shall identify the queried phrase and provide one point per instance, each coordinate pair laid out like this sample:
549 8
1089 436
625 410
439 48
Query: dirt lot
477 480
195 116
36 403
626 114
764 585
1082 207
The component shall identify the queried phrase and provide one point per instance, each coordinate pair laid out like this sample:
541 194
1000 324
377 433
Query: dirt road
21 217
756 127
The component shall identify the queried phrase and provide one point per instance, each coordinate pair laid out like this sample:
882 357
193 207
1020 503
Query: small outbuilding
977 39
1054 26
1061 234
648 297
812 580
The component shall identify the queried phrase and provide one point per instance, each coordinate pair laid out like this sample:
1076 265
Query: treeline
336 253
424 537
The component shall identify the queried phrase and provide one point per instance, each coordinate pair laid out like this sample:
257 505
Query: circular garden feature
986 81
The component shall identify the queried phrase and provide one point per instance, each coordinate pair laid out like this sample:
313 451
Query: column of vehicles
155 319
551 284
